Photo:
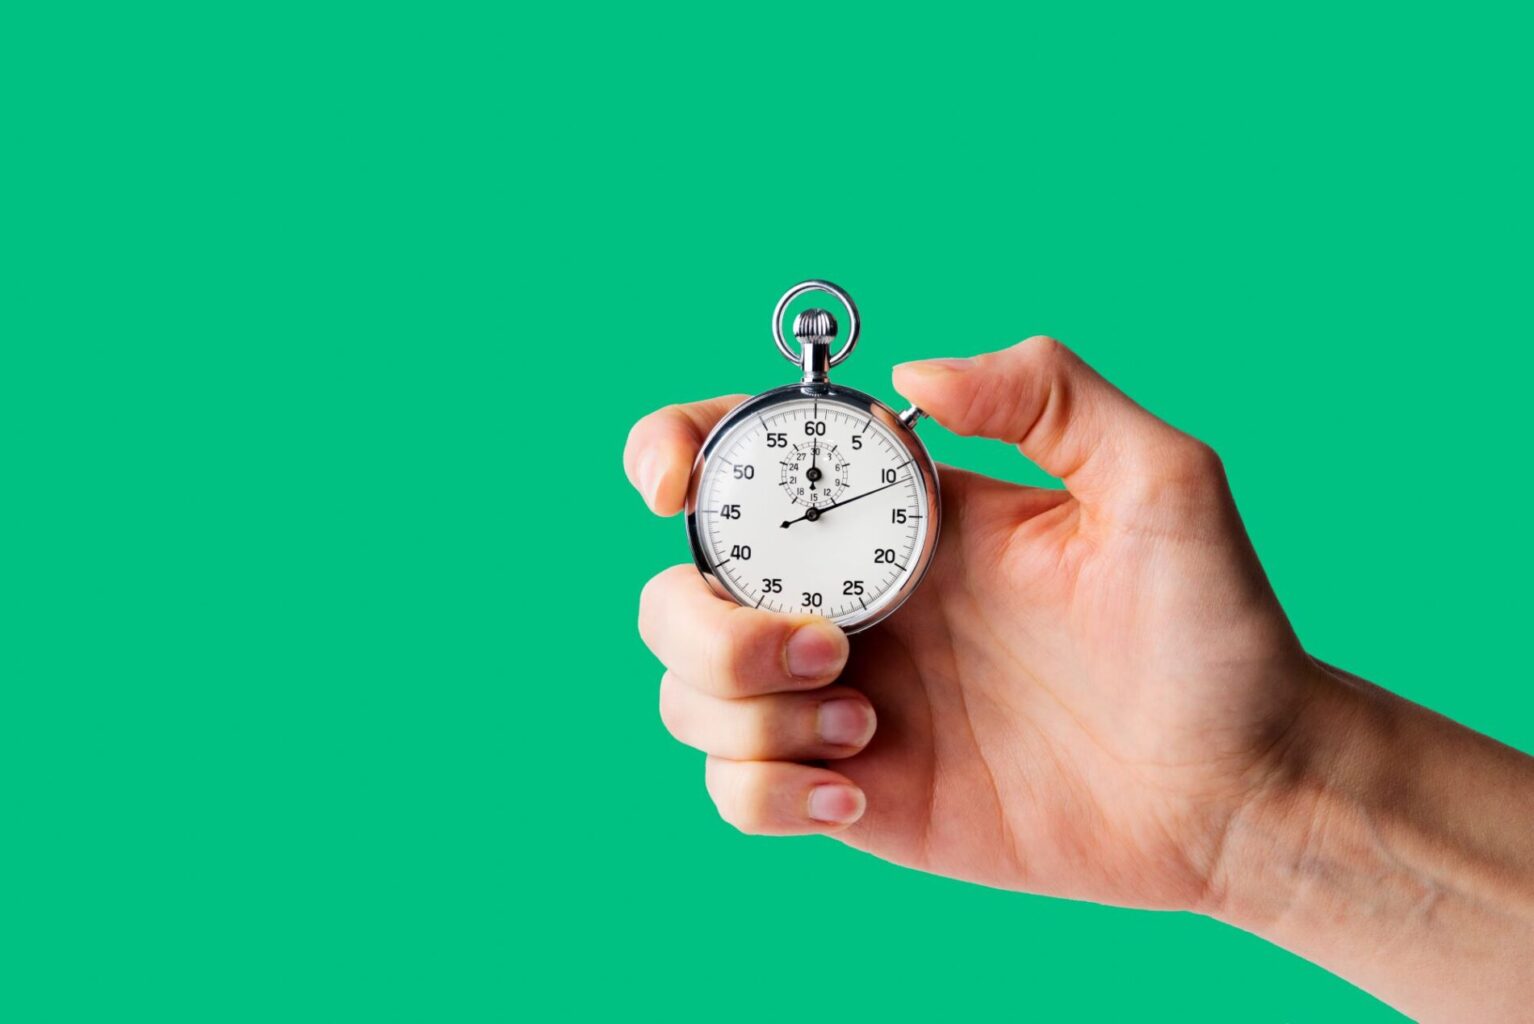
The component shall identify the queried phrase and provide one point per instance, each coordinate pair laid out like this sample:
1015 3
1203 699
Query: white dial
813 505
815 473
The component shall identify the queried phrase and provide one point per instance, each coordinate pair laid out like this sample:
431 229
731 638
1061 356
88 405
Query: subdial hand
815 513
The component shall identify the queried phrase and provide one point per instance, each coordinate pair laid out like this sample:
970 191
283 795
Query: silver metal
854 325
814 326
911 417
816 363
868 405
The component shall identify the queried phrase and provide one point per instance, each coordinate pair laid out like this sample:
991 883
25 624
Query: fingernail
815 651
836 804
928 365
845 722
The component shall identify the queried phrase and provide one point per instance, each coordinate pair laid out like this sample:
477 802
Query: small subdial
814 474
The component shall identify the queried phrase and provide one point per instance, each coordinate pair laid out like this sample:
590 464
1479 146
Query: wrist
1315 769
1389 845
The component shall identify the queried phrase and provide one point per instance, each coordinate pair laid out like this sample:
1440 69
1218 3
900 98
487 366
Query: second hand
815 513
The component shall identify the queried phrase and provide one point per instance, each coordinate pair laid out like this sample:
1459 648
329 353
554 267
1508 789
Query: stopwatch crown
814 327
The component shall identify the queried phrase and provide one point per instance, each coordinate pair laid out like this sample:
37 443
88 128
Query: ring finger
823 724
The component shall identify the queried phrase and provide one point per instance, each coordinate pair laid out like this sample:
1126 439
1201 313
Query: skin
1095 694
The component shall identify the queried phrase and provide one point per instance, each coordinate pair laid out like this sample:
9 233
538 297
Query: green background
322 327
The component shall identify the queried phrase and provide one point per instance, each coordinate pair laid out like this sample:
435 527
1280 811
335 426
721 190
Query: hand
1079 697
1095 694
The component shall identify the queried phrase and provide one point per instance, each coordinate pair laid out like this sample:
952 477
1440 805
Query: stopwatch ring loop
854 326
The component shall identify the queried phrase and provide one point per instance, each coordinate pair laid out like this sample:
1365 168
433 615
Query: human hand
1085 691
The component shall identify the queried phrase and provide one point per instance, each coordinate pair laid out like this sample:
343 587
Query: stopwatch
814 497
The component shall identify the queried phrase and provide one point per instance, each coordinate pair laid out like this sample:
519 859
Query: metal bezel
878 410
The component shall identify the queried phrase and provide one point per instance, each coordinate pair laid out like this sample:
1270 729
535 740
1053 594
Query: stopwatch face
814 503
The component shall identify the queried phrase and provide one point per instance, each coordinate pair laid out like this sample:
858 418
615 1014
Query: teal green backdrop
322 326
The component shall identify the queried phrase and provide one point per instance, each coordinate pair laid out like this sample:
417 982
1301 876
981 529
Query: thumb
1040 396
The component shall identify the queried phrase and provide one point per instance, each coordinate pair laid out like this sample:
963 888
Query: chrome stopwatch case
814 497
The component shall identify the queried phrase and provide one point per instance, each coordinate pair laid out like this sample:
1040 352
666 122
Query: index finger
661 448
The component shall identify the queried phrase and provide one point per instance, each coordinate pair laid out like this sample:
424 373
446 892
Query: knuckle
1178 471
649 601
653 598
672 707
1046 357
639 433
662 415
759 735
1192 462
752 811
730 812
738 792
740 644
1042 348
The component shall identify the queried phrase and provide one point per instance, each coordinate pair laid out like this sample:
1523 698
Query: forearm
1396 849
